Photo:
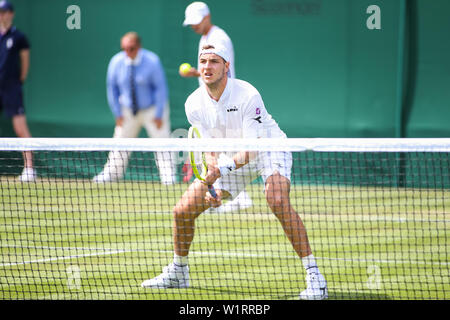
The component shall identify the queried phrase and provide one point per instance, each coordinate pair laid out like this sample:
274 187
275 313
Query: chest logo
258 119
234 108
9 43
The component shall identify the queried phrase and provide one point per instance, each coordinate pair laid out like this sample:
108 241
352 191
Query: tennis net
377 213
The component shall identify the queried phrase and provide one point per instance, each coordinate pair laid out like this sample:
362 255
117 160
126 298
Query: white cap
218 49
195 12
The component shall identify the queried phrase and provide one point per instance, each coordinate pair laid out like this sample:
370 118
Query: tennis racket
199 158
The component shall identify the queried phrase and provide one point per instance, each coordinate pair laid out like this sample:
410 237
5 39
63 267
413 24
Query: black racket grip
212 191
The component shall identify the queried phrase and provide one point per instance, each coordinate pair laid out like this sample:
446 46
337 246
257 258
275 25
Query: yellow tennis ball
185 67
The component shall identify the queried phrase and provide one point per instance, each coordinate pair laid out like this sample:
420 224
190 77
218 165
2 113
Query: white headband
218 50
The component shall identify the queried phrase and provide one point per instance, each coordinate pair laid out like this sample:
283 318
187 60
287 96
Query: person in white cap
198 17
206 108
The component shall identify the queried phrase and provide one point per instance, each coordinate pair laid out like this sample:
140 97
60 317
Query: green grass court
77 240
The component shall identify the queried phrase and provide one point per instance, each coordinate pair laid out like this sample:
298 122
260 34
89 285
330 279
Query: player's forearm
240 159
24 64
226 164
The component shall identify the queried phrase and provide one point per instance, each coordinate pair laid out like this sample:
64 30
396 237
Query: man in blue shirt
14 65
138 97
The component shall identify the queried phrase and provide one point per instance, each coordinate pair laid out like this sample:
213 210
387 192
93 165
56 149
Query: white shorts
264 166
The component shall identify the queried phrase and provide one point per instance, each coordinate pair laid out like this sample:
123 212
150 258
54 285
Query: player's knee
178 214
20 126
277 204
181 214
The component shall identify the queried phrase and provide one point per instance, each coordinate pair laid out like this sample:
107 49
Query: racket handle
212 191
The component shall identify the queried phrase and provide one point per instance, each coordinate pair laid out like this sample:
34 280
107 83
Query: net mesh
377 214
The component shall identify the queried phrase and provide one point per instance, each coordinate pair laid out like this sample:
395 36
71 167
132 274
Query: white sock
309 262
180 261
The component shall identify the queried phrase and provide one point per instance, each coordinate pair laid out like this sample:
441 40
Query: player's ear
227 66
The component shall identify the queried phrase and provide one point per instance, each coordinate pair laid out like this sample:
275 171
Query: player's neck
207 29
215 90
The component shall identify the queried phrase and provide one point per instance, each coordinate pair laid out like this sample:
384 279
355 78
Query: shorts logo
234 108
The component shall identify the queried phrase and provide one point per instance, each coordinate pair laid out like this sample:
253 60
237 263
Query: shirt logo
258 111
234 108
9 43
258 119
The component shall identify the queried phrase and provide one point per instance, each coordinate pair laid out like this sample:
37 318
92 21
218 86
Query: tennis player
198 17
232 108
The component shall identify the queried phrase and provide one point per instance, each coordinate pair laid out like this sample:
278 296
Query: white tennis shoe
172 277
316 287
168 179
28 175
241 202
104 177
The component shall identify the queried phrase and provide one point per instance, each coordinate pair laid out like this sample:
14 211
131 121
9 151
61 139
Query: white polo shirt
239 113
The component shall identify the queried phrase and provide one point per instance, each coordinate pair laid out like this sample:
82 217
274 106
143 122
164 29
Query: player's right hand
191 73
212 175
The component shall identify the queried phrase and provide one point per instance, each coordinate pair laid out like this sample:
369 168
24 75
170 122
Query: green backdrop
320 70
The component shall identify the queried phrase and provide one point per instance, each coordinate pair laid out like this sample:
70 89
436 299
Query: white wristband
225 164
